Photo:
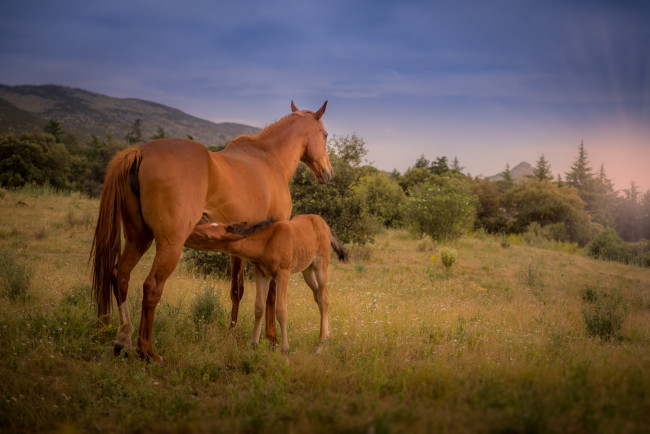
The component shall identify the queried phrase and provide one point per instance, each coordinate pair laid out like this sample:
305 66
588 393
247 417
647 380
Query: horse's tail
105 252
339 248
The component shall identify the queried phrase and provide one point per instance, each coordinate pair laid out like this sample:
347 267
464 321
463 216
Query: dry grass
497 342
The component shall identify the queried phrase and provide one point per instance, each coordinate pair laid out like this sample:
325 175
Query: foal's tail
107 243
339 248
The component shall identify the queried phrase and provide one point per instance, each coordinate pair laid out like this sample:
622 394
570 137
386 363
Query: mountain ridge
83 113
519 173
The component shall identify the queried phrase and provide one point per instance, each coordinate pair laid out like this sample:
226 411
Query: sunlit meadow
507 338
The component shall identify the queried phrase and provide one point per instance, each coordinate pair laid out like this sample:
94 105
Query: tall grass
502 344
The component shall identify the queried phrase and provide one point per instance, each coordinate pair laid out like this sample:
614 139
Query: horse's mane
279 125
243 229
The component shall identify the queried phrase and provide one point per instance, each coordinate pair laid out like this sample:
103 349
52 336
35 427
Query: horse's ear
321 111
293 107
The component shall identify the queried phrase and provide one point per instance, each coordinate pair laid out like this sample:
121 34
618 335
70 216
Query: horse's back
173 178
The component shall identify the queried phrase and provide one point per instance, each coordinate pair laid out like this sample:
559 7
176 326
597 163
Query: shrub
426 244
359 252
206 307
207 263
15 277
604 314
448 256
609 246
442 208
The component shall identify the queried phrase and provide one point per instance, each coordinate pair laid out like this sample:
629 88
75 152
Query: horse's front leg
262 288
237 268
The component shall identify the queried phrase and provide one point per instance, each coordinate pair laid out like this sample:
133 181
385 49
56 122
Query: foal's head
212 236
315 153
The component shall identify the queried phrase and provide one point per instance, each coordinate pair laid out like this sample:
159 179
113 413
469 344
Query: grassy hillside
499 342
83 113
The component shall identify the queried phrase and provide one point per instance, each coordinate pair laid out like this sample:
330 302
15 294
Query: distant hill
82 113
519 173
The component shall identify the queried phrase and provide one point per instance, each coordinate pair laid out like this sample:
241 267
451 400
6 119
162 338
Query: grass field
508 339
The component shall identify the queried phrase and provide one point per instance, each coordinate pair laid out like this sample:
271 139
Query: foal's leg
282 281
262 288
316 278
167 256
133 251
237 269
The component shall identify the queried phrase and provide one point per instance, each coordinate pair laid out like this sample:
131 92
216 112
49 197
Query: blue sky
489 82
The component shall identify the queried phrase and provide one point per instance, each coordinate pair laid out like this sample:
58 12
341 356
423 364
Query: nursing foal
278 249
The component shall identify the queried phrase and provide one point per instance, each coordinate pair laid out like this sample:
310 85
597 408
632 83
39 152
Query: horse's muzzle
325 176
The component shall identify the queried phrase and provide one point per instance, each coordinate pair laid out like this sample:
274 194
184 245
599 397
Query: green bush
206 307
15 277
448 256
609 246
442 208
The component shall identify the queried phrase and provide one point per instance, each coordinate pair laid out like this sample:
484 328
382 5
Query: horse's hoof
150 357
117 349
253 345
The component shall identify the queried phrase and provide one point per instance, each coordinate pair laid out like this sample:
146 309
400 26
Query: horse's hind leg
133 251
167 256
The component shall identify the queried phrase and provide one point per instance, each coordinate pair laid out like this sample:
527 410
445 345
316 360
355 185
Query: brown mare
160 190
277 250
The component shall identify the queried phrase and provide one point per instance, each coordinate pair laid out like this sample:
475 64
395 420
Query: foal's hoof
117 349
274 341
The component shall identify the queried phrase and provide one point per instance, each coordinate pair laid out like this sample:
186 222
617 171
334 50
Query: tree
491 212
383 196
339 201
134 136
545 203
440 166
506 182
54 128
580 173
421 163
33 158
542 169
442 208
455 166
160 134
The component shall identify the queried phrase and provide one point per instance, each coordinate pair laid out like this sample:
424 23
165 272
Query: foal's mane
242 229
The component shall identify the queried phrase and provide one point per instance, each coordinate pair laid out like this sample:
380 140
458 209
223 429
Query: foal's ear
293 107
321 111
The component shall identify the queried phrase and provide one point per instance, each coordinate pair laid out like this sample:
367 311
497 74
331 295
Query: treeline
437 199
53 157
433 197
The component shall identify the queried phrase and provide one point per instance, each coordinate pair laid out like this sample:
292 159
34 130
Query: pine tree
542 169
135 135
421 163
580 173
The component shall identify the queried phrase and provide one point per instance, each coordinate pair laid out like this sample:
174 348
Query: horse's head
315 151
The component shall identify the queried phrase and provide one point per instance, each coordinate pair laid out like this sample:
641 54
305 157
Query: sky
489 82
